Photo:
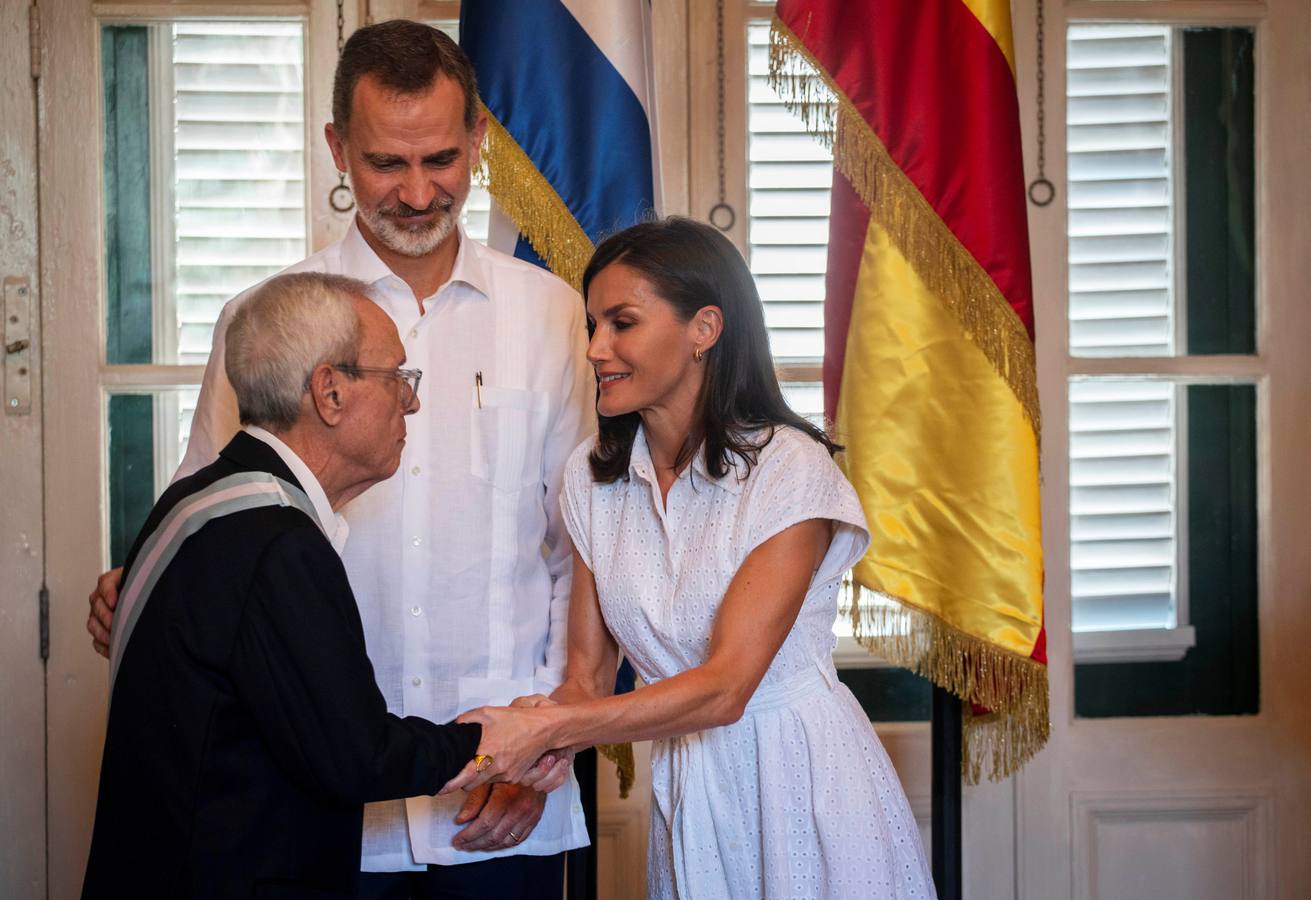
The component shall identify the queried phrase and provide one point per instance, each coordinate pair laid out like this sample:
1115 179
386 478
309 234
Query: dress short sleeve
796 480
576 501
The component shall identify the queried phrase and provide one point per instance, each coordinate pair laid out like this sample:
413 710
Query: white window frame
164 381
1154 644
319 56
1168 643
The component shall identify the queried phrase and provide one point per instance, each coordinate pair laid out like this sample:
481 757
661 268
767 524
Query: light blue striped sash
235 493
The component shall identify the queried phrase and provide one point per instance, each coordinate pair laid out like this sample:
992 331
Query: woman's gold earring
698 354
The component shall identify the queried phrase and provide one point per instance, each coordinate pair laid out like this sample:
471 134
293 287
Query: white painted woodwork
1198 806
72 286
622 826
22 674
1172 844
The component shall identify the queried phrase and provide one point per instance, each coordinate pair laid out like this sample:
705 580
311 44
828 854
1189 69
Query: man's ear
326 392
336 144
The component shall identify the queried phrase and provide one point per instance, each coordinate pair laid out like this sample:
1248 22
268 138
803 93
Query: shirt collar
639 463
334 525
360 261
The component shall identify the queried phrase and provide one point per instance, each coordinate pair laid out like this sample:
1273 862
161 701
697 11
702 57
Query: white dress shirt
335 527
460 562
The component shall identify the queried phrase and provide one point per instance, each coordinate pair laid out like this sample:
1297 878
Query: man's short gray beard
411 242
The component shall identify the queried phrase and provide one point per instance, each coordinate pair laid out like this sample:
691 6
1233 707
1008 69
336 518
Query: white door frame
72 284
1251 774
22 560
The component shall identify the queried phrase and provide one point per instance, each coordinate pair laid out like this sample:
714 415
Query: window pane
1159 138
1162 500
1123 483
204 176
806 399
789 175
1213 535
148 433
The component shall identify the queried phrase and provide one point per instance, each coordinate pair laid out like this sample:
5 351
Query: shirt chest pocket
507 437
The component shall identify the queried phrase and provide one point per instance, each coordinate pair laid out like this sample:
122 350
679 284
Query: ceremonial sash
235 493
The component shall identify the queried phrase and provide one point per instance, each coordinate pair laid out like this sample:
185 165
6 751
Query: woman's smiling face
643 353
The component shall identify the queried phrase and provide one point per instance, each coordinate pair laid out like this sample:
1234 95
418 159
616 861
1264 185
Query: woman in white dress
711 531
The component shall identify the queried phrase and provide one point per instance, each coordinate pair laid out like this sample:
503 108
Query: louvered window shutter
1123 446
239 163
235 173
789 176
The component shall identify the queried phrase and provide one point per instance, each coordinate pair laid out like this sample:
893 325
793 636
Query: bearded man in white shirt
459 562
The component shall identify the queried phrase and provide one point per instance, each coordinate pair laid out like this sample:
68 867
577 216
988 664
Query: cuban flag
571 143
568 87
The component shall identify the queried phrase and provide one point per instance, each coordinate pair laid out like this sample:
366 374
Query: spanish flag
929 361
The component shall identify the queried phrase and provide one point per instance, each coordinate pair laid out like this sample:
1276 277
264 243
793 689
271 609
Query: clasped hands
515 747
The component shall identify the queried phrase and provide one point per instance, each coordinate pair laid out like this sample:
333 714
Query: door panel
71 287
178 167
1183 806
22 672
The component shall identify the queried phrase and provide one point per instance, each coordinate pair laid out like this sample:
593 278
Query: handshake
517 746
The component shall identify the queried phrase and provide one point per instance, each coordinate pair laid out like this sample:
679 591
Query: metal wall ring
338 204
1041 192
717 211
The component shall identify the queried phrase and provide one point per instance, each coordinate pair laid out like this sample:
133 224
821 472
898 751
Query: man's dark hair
406 57
691 265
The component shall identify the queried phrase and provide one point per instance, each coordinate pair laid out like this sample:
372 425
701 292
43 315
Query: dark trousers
508 878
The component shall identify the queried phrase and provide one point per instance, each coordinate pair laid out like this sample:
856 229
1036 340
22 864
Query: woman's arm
757 614
593 655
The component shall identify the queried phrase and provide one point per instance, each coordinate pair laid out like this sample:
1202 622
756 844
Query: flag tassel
525 195
1012 688
622 756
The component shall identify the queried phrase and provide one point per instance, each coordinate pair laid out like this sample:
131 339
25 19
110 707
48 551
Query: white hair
286 327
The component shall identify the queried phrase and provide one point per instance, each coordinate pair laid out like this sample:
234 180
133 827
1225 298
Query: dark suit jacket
246 729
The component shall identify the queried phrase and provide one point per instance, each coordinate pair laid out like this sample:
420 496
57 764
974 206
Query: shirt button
417 541
416 610
414 332
414 471
416 681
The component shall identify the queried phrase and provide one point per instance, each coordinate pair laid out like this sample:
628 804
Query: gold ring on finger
481 762
514 837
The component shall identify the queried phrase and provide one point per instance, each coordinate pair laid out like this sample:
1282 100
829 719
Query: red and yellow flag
929 363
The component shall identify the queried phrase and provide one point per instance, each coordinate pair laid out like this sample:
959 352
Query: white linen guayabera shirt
460 563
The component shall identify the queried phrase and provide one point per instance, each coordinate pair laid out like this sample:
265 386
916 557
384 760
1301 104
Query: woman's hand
514 742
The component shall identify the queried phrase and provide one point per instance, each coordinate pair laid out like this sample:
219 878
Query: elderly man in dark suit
246 729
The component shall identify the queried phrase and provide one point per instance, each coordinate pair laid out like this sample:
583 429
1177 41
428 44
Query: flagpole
946 728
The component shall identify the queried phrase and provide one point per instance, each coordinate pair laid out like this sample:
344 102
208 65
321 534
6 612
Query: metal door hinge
43 601
16 348
34 38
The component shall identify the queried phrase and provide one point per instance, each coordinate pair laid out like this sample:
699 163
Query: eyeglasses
409 379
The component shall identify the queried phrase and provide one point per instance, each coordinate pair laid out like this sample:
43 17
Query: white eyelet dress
797 799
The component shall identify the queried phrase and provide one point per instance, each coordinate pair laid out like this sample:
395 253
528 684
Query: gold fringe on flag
1011 687
533 204
622 756
937 255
